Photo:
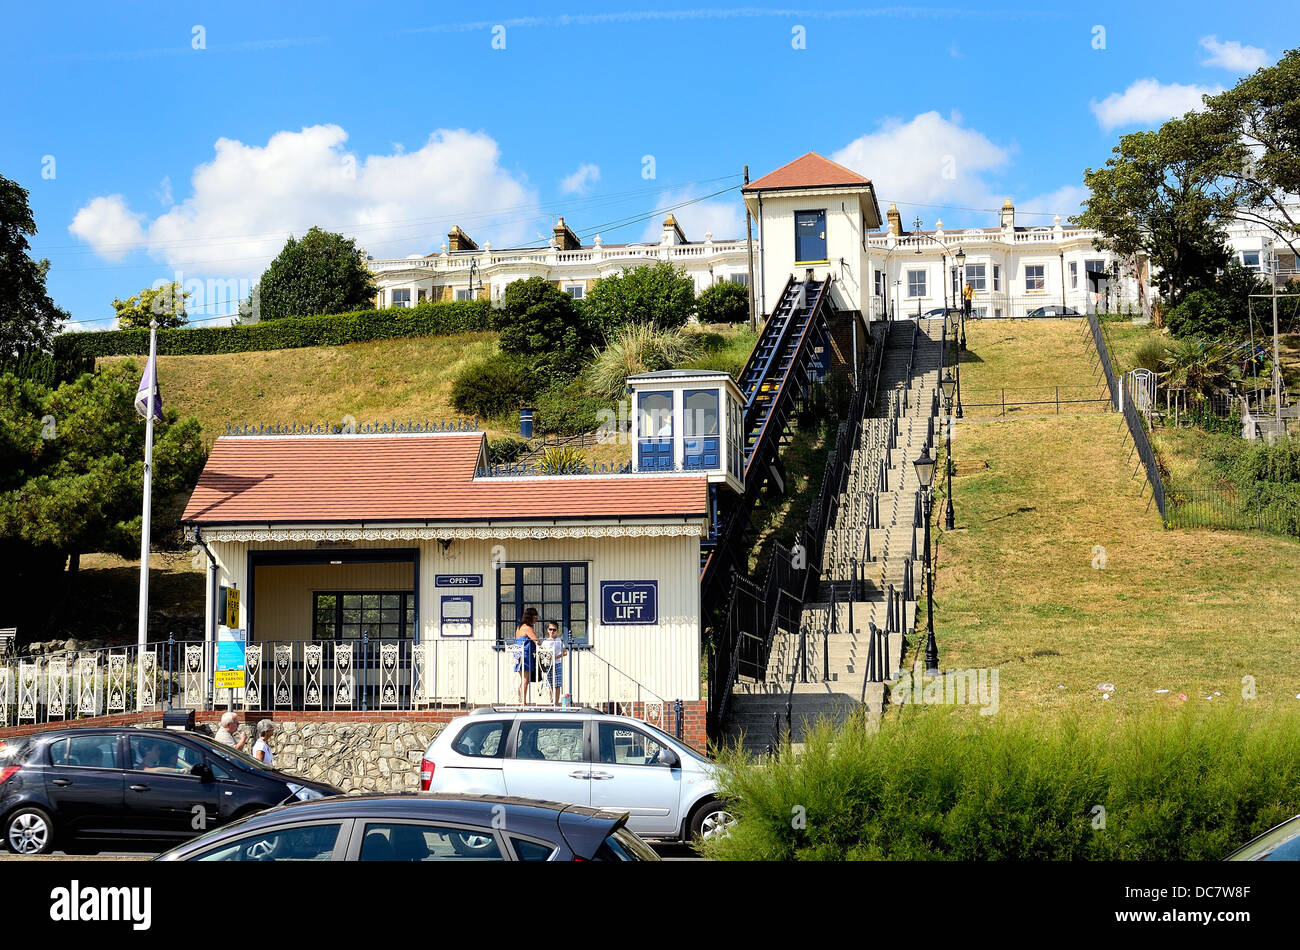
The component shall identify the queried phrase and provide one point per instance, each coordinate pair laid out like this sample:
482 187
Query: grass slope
1037 502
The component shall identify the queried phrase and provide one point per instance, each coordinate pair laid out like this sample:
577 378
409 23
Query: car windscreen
677 743
623 845
1280 844
13 751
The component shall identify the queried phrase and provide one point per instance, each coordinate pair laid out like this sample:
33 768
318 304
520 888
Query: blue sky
189 140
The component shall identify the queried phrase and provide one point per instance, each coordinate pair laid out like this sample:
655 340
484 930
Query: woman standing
525 651
262 747
554 651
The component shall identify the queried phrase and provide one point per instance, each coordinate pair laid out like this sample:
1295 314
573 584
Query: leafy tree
1261 115
724 302
322 273
660 295
71 473
165 304
1202 366
1220 309
543 325
28 317
1159 195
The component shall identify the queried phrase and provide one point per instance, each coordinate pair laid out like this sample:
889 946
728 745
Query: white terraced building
462 270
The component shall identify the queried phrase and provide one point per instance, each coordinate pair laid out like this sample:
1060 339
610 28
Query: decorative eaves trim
695 529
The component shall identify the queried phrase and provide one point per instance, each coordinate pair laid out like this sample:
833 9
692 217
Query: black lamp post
925 474
948 387
960 257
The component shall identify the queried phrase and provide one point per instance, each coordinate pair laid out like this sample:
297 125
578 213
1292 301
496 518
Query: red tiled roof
428 477
807 171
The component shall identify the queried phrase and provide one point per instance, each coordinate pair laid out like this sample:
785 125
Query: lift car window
550 741
300 843
87 752
486 739
402 842
151 754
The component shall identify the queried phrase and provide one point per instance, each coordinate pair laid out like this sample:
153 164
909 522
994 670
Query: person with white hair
262 747
226 734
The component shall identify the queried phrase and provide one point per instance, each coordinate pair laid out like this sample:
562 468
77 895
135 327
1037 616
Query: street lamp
960 257
925 474
948 386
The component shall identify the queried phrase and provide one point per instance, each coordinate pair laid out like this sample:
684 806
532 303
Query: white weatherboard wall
844 245
664 657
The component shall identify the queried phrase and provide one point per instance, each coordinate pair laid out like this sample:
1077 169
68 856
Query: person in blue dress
525 652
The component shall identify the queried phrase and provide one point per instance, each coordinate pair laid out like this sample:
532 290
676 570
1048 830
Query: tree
724 302
322 273
71 474
1202 366
1158 195
1221 309
28 317
657 294
542 324
165 304
1261 116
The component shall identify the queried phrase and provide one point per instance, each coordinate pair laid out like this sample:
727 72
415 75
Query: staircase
854 629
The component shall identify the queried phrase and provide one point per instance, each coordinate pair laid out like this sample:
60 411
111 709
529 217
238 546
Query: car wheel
29 831
710 821
472 846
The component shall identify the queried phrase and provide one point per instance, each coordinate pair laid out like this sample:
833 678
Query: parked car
584 757
941 311
1054 310
1277 844
421 827
84 789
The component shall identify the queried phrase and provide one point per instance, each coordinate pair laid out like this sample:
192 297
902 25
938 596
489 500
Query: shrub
505 450
568 409
428 319
564 460
934 784
659 294
724 302
321 273
639 348
541 322
494 387
1151 354
46 370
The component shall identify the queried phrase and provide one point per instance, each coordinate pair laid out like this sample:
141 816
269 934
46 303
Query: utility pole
749 243
1277 362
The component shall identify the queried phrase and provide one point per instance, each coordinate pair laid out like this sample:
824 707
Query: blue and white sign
458 580
231 644
629 602
457 616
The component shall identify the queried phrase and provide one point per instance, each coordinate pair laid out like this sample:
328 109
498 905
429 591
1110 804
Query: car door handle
139 788
601 775
61 782
579 775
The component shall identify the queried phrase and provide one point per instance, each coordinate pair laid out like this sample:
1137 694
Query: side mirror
203 771
667 757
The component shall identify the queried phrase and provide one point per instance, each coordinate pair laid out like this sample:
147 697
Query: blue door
809 236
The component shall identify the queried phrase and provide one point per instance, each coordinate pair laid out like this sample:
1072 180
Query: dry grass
1023 367
1037 502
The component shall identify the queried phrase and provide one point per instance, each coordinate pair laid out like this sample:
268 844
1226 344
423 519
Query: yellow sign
229 679
232 607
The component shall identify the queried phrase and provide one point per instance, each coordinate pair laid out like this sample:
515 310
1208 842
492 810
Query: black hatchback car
422 826
86 789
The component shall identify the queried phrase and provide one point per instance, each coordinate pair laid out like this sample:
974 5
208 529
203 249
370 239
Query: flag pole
150 368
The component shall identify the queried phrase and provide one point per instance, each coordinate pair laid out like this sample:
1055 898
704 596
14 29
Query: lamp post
925 475
960 257
948 386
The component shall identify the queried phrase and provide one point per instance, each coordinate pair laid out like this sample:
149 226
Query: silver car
581 757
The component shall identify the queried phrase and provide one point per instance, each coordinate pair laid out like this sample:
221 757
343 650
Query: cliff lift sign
629 602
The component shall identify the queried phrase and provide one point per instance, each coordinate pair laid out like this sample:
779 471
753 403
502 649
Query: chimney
565 239
458 240
895 220
1008 215
673 233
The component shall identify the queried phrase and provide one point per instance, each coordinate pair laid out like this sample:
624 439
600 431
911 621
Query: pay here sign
629 602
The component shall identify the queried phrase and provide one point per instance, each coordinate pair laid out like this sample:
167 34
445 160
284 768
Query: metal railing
1231 510
1043 399
305 675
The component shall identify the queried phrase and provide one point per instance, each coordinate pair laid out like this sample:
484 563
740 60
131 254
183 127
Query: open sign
629 602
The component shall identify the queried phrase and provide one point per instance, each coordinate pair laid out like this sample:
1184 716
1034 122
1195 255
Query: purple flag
149 381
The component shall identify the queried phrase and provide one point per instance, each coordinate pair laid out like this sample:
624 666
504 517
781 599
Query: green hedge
428 319
46 370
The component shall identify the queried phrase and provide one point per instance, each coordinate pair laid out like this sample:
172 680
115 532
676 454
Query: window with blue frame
655 428
809 236
735 451
702 447
557 590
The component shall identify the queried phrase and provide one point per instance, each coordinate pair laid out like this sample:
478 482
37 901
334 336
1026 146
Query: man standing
226 734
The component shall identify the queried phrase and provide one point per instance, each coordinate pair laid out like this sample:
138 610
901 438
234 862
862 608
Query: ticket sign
229 673
629 602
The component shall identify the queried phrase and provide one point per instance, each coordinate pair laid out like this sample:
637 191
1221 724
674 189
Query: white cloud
165 192
724 218
109 226
928 160
249 198
580 182
1148 101
1039 210
1230 54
